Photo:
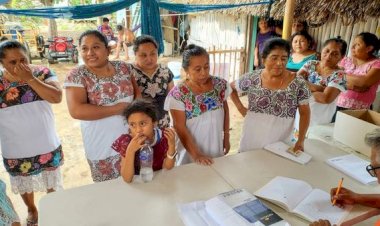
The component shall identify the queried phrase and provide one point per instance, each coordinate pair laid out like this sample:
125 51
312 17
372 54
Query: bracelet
171 156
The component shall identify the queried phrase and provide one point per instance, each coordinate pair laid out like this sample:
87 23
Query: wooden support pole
290 5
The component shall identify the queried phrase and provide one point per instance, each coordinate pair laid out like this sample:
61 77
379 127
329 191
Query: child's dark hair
10 44
338 40
275 43
370 40
95 33
142 40
141 106
304 34
191 51
119 27
105 19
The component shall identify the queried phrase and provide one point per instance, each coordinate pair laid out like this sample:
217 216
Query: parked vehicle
61 47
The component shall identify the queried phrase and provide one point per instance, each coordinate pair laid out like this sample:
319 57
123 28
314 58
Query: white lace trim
37 183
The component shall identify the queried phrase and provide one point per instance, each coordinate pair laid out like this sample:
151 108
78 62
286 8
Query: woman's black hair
142 106
142 40
304 34
10 44
191 51
370 40
105 19
338 40
275 43
95 33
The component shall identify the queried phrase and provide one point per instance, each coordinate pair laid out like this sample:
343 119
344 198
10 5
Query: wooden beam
290 5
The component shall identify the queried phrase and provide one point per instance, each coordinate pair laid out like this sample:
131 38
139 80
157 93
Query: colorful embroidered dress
159 146
204 117
354 100
323 113
271 113
30 146
98 135
155 88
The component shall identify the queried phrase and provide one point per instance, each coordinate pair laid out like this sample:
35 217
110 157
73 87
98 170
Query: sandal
30 222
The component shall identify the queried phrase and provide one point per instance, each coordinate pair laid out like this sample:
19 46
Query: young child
142 117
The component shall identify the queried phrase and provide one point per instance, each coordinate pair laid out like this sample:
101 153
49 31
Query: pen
337 190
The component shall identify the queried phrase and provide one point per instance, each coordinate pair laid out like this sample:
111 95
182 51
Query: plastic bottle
146 162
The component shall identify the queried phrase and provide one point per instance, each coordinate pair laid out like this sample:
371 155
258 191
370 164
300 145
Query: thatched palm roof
316 12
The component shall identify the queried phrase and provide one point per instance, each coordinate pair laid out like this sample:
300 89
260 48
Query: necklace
268 80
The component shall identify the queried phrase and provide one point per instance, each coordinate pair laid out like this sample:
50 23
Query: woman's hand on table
321 223
299 146
226 143
203 160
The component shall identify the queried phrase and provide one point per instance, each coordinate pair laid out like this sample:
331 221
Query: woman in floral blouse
199 110
30 146
274 95
97 93
326 80
154 80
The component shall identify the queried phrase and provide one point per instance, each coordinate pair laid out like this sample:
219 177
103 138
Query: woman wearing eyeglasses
347 197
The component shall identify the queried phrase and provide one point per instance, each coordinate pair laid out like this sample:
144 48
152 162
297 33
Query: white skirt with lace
47 179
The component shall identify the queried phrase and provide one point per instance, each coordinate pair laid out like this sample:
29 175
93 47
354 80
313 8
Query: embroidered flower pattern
195 105
103 90
281 103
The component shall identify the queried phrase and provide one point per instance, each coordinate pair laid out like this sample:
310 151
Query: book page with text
317 205
285 192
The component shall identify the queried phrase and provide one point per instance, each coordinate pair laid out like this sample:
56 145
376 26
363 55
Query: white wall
220 30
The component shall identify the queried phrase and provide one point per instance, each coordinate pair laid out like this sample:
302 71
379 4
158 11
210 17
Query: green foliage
28 22
80 2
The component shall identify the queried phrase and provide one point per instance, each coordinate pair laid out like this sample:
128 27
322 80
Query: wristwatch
171 156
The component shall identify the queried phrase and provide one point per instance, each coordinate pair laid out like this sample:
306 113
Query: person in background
154 80
125 39
265 32
326 80
199 110
268 119
363 73
141 116
106 30
8 215
299 26
301 51
348 197
97 94
31 150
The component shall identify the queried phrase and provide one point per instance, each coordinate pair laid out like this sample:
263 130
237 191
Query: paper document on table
236 207
298 197
353 166
280 148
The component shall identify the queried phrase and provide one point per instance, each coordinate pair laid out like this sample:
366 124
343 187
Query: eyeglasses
372 170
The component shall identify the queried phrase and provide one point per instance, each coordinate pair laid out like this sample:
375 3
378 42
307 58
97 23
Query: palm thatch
315 12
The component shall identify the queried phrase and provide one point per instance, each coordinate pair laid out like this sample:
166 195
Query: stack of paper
353 166
236 207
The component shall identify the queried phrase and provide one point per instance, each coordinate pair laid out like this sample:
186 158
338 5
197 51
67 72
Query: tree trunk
100 18
52 23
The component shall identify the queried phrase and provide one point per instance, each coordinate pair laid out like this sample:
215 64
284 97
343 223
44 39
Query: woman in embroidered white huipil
199 110
274 95
97 93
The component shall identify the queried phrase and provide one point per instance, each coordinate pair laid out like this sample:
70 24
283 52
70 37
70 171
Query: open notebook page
195 214
317 205
285 192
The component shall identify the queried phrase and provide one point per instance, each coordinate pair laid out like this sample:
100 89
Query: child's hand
136 143
169 133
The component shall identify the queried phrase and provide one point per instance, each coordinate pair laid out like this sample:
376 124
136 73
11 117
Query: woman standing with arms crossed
97 93
274 95
363 73
31 149
199 110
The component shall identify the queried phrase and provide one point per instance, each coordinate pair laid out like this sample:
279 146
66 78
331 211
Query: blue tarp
150 13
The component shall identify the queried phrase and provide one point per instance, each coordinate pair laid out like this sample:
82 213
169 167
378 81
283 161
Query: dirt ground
75 171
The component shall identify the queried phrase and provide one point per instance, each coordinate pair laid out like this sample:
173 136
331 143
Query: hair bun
191 46
338 37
